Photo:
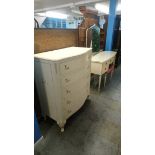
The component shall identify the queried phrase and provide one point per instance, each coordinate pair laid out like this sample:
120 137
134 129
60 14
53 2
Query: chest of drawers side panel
45 81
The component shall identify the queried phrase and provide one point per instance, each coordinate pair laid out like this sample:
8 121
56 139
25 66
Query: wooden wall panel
51 39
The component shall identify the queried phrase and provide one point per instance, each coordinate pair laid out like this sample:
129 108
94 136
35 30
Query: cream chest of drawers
62 79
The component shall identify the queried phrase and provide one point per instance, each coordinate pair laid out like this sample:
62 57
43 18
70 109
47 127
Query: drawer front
105 67
74 102
96 68
77 63
74 96
75 88
75 76
106 64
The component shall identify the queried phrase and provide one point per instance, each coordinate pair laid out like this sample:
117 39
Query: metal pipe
87 32
83 2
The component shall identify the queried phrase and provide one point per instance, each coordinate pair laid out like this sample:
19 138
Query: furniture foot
62 129
61 125
88 98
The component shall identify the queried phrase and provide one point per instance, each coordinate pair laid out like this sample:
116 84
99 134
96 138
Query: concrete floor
94 130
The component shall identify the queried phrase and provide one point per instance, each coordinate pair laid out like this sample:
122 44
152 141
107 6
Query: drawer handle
69 111
68 91
67 80
89 57
68 102
66 67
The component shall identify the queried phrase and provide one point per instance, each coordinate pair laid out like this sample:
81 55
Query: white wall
40 19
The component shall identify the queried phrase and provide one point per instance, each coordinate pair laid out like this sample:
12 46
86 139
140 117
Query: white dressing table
101 62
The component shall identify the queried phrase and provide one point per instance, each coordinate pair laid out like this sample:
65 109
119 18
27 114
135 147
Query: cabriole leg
61 125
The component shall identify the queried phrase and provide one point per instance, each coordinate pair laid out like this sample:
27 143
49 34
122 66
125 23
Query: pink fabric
110 69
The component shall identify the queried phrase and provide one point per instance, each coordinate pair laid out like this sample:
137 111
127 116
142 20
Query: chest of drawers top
62 54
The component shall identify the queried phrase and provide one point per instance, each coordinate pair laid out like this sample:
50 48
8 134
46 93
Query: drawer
105 67
75 76
74 103
78 63
96 68
106 63
75 88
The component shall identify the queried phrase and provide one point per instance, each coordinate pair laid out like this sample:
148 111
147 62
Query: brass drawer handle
66 67
67 80
68 91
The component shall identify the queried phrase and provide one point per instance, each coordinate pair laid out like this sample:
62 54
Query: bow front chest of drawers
62 79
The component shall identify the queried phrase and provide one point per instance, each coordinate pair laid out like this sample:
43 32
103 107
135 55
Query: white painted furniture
100 64
63 81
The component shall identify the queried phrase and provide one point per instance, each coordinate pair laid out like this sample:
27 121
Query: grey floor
94 130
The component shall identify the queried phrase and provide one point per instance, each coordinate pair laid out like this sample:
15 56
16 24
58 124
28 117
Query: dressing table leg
111 74
105 79
99 84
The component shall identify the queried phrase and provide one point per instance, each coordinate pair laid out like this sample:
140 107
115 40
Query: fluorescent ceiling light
56 15
105 8
53 15
41 14
102 8
77 12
